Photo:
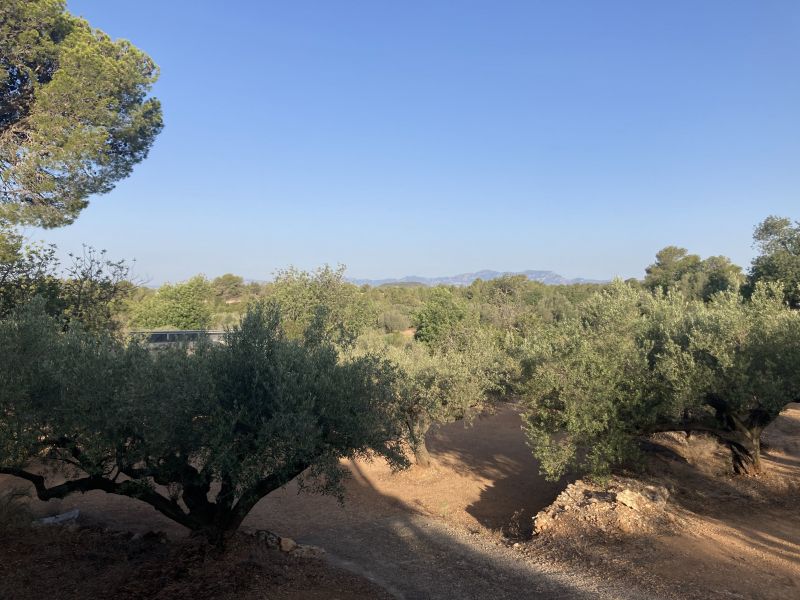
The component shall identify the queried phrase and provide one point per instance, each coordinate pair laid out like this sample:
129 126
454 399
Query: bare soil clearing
438 532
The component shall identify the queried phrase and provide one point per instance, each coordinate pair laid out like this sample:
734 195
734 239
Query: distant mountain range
547 277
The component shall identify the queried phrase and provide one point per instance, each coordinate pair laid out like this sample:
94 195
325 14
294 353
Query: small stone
269 539
658 494
649 497
61 519
287 544
632 499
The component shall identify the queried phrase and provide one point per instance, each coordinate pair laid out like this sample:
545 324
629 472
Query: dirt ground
715 536
82 563
439 532
481 475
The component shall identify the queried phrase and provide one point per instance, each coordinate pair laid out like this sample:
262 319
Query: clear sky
433 137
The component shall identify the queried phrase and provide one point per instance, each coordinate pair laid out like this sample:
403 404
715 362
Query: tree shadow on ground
416 556
737 536
411 555
391 542
493 447
757 512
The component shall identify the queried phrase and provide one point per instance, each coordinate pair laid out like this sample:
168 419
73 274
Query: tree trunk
421 454
742 433
746 456
214 535
214 521
417 429
746 450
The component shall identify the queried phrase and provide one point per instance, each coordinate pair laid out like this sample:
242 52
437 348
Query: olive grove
634 363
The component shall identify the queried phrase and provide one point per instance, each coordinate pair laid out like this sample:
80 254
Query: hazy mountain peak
547 277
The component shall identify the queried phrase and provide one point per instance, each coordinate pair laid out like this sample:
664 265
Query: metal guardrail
177 336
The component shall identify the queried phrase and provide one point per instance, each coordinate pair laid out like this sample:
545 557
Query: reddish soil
481 475
717 536
437 532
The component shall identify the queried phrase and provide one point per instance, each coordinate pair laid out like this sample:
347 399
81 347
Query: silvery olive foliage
634 363
201 435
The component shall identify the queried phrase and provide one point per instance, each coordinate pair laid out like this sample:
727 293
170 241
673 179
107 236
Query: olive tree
438 316
441 384
201 436
75 112
635 363
322 302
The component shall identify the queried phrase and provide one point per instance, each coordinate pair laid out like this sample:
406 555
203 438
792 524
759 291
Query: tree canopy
635 363
441 384
228 287
778 242
248 415
322 303
179 306
90 289
677 270
75 112
436 318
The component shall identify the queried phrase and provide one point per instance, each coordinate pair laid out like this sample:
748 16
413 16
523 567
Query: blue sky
434 137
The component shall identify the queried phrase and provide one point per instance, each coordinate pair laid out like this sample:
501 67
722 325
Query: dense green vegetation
181 306
695 346
90 290
778 242
635 363
249 415
675 270
315 368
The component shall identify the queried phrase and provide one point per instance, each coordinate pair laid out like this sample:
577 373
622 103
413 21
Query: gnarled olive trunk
739 430
214 520
746 457
417 430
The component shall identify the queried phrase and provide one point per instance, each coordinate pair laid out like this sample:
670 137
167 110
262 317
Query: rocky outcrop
623 506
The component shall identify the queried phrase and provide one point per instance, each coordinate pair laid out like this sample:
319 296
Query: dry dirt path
433 534
414 557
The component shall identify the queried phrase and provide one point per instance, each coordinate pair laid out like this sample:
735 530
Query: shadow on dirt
494 448
410 555
724 536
